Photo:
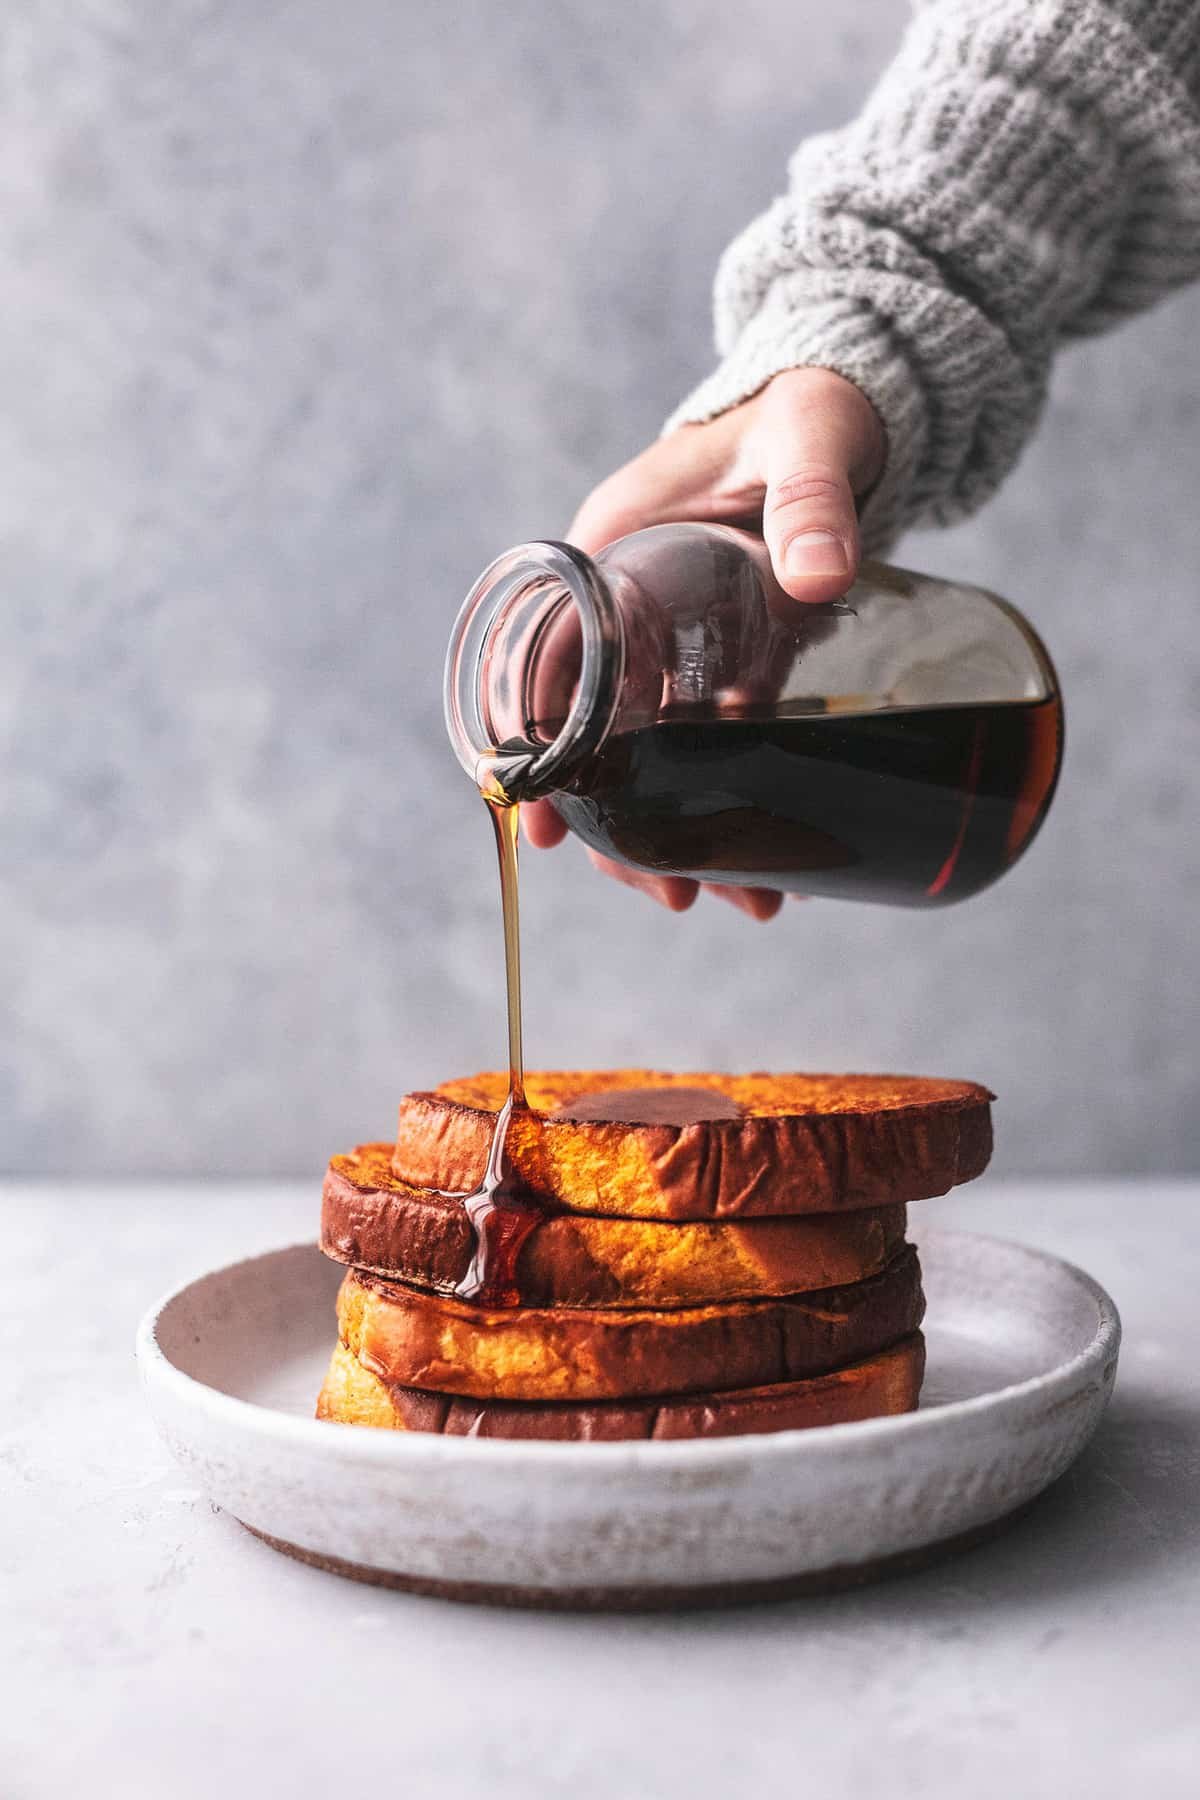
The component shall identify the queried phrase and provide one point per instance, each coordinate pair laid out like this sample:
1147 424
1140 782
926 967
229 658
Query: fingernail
816 553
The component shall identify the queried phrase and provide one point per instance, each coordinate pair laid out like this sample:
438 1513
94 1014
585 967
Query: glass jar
684 715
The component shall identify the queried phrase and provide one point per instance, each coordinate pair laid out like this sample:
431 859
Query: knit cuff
851 339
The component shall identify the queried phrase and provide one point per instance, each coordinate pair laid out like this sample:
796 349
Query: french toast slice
636 1143
879 1385
372 1220
425 1340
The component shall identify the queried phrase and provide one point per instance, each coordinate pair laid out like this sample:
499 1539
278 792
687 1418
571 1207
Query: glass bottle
684 715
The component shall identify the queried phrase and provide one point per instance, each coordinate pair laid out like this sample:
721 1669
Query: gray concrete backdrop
307 312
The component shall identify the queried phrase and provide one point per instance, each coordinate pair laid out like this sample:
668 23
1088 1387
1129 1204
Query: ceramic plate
1022 1355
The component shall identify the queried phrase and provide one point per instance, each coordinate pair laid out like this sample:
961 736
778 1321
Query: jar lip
601 673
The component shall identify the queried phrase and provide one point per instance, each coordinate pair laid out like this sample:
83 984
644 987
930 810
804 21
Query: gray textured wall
307 312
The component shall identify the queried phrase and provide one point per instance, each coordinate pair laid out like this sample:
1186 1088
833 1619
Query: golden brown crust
883 1384
529 1353
372 1220
802 1143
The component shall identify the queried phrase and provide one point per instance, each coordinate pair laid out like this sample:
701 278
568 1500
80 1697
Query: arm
1026 171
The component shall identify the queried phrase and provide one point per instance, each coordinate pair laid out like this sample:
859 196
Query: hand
790 463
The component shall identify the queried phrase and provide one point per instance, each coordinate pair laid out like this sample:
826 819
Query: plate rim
384 1447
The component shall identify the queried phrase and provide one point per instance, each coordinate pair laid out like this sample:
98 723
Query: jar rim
544 767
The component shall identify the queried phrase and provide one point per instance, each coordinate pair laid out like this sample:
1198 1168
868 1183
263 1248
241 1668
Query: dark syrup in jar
915 807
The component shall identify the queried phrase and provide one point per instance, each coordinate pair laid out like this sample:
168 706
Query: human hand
789 463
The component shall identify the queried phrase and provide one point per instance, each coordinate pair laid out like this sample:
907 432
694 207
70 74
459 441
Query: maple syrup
915 807
676 1105
502 1215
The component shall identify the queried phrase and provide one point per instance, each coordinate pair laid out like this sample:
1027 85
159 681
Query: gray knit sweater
1025 172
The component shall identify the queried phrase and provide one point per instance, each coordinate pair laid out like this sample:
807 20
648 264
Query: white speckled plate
1022 1355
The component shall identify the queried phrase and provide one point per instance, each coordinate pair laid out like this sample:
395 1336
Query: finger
542 825
674 892
760 903
820 442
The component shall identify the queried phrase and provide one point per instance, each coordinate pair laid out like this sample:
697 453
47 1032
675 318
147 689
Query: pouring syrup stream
501 1217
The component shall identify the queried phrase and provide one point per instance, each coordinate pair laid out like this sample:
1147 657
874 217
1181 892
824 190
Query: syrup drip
506 818
501 1215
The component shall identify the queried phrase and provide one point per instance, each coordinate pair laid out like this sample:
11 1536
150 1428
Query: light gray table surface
151 1647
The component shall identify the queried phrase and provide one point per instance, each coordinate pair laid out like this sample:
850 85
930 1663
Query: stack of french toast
669 1256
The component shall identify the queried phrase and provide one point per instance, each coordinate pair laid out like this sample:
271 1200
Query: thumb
819 432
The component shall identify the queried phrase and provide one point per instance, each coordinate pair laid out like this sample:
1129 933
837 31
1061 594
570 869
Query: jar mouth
497 644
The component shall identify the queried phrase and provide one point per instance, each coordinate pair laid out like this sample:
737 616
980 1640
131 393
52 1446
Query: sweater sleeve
1026 170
